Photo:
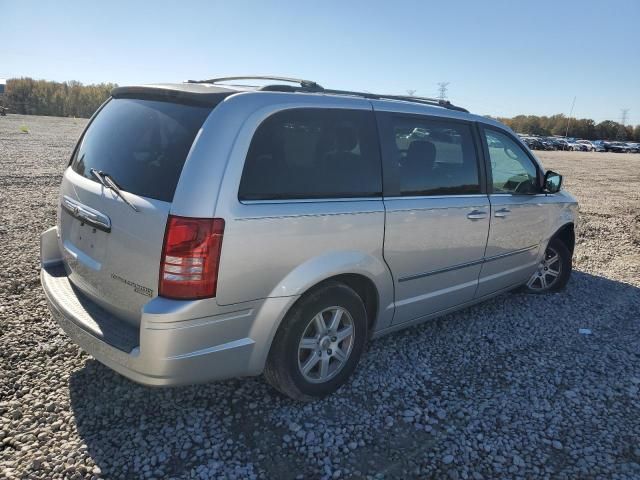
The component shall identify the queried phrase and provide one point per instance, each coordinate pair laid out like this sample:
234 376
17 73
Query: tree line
73 99
578 127
62 99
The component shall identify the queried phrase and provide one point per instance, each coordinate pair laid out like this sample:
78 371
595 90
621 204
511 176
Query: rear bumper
176 343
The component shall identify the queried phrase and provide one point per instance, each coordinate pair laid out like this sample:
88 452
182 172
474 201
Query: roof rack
307 84
313 87
405 98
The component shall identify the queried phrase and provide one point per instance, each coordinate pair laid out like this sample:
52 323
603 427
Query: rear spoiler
200 95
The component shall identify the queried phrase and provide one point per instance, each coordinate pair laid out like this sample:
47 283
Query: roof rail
313 87
405 98
373 96
307 84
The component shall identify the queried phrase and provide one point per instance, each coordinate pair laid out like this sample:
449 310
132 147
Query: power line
442 90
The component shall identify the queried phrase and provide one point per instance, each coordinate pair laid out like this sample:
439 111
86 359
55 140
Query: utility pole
411 92
622 134
442 90
573 104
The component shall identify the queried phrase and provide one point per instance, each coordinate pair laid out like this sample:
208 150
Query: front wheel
553 271
319 343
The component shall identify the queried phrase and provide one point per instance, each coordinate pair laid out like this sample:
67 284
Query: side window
511 168
434 157
313 153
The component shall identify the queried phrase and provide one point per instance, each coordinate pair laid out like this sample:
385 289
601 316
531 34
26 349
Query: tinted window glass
141 144
511 168
434 157
313 153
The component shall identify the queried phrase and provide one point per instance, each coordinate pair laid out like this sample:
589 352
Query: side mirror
552 182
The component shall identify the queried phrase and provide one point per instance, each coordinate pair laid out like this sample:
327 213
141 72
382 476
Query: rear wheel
553 271
319 343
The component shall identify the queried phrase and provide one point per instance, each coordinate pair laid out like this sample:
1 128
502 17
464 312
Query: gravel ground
506 389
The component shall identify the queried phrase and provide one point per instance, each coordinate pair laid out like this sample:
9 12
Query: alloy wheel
548 271
326 344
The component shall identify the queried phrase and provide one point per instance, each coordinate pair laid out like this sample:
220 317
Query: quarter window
313 153
511 168
433 157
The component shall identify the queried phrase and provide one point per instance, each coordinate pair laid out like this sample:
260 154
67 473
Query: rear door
518 213
111 249
437 212
309 196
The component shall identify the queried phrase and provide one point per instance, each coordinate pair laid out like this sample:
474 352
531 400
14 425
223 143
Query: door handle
503 212
476 215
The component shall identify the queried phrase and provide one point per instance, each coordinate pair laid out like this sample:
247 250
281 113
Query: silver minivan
208 230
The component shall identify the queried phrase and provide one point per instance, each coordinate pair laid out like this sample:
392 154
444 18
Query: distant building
3 84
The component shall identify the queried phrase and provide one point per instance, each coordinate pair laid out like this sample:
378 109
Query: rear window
313 153
141 144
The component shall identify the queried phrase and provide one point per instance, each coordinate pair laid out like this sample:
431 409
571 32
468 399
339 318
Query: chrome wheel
326 344
548 271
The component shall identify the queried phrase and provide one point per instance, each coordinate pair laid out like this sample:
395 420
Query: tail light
190 257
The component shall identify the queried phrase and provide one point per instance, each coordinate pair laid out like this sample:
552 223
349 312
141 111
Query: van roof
211 94
212 91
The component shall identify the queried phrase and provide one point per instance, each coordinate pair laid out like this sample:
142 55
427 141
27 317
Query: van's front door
437 214
518 213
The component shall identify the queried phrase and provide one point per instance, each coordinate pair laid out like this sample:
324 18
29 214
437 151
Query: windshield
141 144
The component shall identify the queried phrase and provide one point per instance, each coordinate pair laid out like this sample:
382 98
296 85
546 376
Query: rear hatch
112 243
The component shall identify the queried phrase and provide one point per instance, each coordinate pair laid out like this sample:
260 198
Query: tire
543 281
288 357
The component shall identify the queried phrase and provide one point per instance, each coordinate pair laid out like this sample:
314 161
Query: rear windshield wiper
105 179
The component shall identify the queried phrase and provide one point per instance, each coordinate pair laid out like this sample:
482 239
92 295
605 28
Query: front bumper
176 342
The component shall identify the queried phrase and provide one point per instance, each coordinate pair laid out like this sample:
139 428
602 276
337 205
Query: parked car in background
534 143
578 147
564 144
208 231
616 147
575 146
537 143
598 145
554 142
590 147
633 147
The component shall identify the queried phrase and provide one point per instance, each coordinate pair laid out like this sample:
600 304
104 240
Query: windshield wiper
97 176
106 181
